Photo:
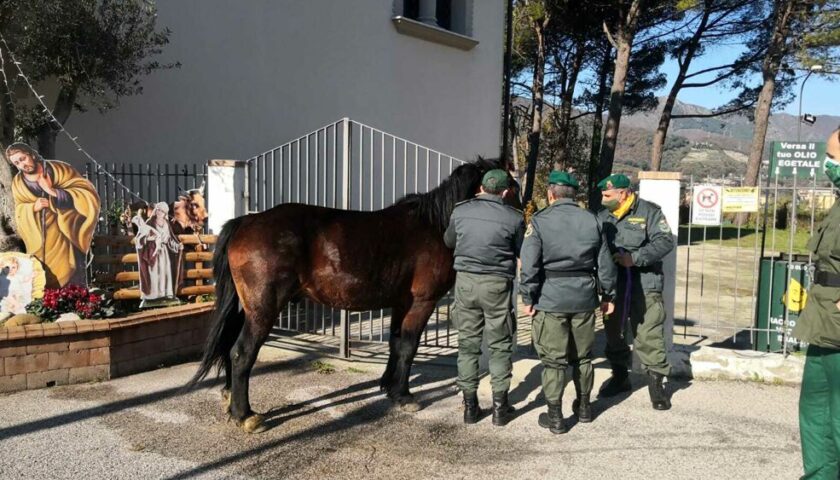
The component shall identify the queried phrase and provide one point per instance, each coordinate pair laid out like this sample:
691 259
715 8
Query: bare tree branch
609 36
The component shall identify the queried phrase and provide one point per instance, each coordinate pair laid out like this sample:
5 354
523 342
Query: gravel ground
338 425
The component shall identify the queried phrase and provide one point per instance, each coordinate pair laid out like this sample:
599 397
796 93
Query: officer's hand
607 308
530 310
623 259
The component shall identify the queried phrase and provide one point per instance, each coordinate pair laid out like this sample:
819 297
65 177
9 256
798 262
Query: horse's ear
486 164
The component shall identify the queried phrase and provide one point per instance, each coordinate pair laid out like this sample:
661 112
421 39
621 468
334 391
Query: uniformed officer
819 325
486 235
563 252
639 238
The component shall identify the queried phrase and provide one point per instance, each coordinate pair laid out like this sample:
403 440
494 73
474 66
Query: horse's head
463 183
472 173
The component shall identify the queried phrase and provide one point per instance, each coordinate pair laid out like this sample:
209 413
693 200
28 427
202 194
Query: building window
438 17
447 14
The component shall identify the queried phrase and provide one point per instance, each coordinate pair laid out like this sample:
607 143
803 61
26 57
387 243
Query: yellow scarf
622 210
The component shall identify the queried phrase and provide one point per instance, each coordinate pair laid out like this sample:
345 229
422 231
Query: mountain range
715 146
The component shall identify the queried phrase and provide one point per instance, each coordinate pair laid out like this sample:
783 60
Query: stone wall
49 354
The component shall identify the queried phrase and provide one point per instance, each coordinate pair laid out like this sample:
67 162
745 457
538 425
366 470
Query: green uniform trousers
482 307
560 340
647 321
819 414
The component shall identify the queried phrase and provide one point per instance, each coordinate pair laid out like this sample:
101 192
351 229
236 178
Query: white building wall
258 73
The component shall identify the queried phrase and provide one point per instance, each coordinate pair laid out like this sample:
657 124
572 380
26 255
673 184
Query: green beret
495 179
562 178
615 180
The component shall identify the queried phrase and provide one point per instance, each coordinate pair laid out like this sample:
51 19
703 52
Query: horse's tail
227 317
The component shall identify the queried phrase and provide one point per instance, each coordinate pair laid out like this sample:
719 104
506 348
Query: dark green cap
495 179
562 178
615 180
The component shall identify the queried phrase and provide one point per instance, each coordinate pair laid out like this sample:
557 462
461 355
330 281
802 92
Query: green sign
802 159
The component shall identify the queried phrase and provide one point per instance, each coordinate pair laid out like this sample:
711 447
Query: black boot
618 383
553 420
583 409
501 409
658 397
472 412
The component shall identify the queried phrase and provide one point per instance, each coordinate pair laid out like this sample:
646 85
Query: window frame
433 33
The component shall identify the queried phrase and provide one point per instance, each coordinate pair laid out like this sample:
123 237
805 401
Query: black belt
826 279
568 273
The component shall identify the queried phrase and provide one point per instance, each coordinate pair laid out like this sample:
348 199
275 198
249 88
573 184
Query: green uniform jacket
486 235
819 323
565 238
644 233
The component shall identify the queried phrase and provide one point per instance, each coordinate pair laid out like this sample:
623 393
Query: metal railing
351 166
154 183
727 285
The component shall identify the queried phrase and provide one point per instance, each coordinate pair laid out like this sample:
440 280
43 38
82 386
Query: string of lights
49 113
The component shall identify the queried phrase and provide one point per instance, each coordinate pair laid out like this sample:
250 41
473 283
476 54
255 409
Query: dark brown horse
392 258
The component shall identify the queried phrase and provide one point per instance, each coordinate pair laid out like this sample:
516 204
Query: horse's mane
435 207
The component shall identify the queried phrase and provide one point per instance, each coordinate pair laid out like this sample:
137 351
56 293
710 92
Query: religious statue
21 282
159 257
56 210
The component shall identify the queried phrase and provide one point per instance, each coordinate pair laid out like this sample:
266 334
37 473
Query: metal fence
351 166
743 284
158 183
153 183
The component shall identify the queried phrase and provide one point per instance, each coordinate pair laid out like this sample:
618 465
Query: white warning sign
740 199
706 205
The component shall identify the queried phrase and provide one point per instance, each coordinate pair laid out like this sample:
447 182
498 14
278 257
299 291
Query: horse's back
346 259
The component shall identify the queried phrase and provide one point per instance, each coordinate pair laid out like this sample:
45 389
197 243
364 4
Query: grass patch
323 368
729 236
355 370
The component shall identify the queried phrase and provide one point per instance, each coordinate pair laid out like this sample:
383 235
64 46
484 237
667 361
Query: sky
820 97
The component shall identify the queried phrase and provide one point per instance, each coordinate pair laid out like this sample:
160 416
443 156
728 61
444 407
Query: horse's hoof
254 424
410 407
408 404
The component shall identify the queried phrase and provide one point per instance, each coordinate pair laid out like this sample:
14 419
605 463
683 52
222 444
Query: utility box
782 295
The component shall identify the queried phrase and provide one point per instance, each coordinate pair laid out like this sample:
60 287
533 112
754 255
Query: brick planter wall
37 356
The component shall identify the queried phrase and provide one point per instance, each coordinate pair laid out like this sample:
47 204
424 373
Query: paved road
338 425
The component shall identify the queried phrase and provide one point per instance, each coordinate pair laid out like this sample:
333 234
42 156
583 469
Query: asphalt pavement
337 425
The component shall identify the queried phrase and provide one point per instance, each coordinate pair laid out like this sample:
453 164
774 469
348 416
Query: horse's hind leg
226 388
243 355
261 310
406 347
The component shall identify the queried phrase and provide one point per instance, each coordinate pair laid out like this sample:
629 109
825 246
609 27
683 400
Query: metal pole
799 118
507 71
688 253
792 229
246 192
344 338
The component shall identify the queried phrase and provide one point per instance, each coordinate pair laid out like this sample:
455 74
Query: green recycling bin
780 301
